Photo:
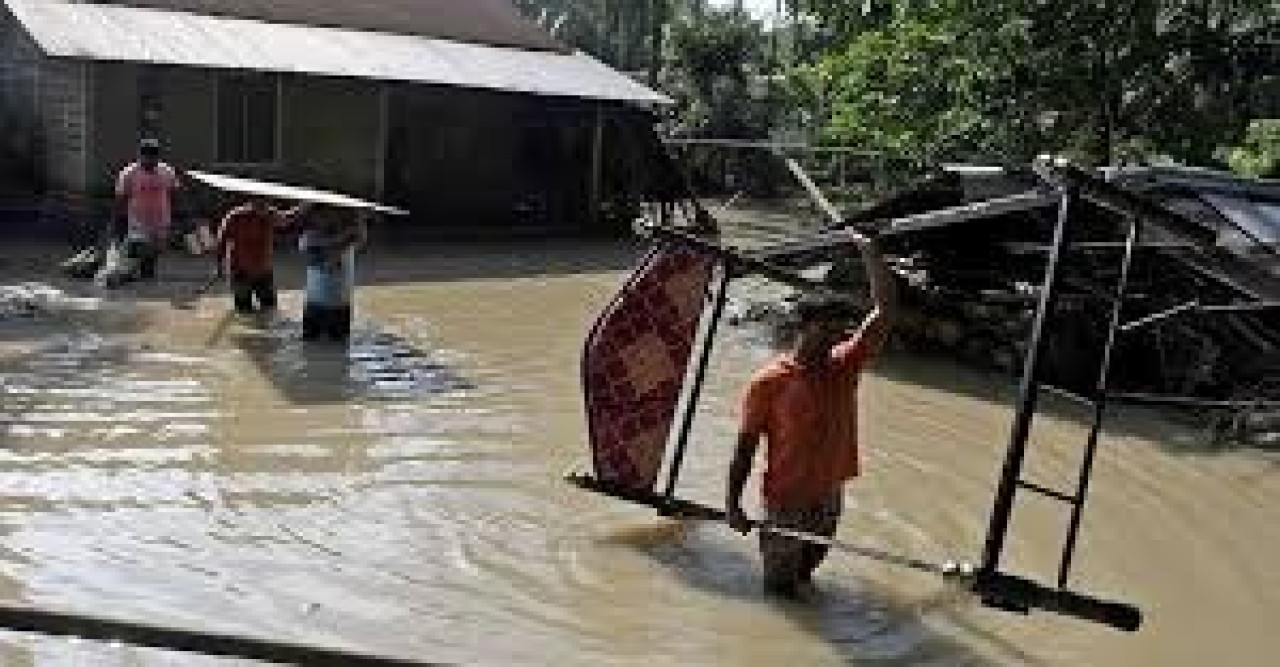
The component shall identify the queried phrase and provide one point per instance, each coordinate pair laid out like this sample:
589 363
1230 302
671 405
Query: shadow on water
865 625
374 365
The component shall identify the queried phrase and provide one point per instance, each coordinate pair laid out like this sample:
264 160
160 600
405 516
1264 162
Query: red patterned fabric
635 362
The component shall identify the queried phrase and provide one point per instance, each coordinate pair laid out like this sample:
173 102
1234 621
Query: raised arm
222 241
876 327
362 232
359 234
289 219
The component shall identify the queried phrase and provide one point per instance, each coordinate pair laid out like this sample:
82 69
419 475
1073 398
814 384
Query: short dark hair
812 308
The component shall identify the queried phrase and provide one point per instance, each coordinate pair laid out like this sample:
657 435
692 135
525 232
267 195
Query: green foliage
1106 81
718 44
1103 81
620 32
713 69
903 88
1259 156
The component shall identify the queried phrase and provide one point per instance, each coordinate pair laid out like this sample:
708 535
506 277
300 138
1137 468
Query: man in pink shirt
144 193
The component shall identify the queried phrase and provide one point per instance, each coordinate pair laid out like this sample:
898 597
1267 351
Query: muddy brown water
404 497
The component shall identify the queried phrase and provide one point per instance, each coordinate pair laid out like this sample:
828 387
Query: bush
1259 157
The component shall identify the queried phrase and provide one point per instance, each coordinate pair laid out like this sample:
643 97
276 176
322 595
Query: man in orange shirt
804 405
245 246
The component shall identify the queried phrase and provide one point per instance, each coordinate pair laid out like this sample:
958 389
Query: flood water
404 497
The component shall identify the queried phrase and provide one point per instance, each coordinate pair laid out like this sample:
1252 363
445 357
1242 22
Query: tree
627 34
713 66
1259 156
1105 80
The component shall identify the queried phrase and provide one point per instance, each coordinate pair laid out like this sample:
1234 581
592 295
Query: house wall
19 113
19 58
65 110
187 114
115 125
483 163
328 128
462 161
184 121
330 135
451 156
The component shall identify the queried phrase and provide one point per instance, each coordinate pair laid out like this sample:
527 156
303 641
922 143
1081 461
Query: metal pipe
1241 307
746 144
686 509
68 624
596 182
843 236
742 264
1190 401
833 214
1100 402
1028 393
1030 248
1046 491
699 375
1196 306
1069 395
1160 316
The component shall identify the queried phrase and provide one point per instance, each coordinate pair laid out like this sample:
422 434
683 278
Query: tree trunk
657 22
1104 151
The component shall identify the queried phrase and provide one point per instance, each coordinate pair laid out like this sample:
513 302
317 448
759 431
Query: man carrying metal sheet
330 243
803 404
245 244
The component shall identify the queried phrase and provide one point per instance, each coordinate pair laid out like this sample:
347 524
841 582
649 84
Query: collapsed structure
1116 289
971 246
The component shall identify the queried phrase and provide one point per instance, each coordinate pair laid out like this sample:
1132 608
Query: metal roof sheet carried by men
489 22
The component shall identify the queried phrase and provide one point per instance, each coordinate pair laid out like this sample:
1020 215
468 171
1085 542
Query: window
248 119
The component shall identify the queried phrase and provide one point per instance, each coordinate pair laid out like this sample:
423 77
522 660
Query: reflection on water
401 495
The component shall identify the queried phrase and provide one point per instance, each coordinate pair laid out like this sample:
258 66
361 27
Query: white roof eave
116 33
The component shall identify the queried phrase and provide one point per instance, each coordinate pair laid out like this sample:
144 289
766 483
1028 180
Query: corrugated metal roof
492 22
253 187
131 34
